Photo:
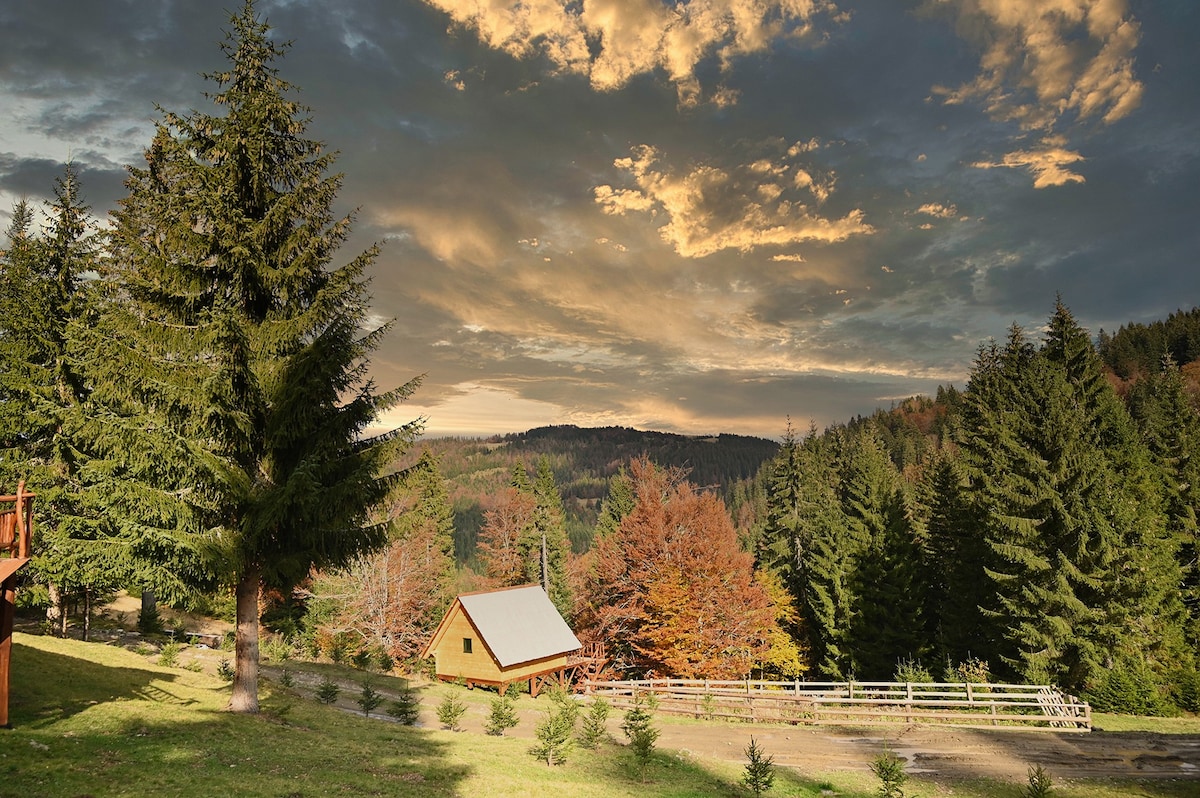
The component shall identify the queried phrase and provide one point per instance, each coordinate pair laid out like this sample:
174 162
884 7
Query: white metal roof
519 624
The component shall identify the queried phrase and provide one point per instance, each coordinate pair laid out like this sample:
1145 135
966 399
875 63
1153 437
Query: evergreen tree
230 362
43 296
956 556
546 545
616 505
1170 428
887 622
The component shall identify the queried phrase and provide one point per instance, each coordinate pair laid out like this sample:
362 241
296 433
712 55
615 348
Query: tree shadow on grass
113 728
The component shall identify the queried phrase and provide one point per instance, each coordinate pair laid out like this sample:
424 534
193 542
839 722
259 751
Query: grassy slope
96 720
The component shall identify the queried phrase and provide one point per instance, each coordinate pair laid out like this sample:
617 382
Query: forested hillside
1037 521
583 460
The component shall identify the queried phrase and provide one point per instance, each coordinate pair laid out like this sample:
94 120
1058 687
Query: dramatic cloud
765 203
699 217
1044 59
613 41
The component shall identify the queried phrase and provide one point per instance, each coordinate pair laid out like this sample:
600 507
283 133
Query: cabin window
466 645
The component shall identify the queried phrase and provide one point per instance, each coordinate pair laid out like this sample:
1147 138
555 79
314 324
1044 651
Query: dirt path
944 752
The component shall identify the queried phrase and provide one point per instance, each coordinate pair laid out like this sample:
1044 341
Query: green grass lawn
99 720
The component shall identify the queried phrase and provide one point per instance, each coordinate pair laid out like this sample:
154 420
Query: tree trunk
56 613
245 646
87 614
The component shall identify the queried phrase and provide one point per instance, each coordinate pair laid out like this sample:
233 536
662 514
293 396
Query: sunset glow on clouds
700 217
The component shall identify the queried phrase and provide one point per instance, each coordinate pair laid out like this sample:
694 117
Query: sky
703 218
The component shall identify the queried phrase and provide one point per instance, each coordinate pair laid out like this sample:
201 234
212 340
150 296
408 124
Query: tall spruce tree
43 297
230 362
956 556
1143 616
1170 428
549 544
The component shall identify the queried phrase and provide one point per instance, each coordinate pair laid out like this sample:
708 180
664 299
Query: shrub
168 656
503 715
368 699
406 708
638 727
911 670
276 649
1186 690
595 728
760 769
383 660
1039 784
1128 688
972 671
555 734
149 621
362 659
327 691
225 670
451 710
889 769
285 678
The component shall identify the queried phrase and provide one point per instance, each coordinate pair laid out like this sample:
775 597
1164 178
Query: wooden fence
855 703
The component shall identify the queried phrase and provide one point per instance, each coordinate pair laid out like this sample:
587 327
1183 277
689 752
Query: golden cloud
709 209
1046 58
1048 163
633 37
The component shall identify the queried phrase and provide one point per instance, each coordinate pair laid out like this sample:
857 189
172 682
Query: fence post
908 704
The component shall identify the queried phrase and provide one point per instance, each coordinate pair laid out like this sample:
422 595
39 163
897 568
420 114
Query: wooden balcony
16 536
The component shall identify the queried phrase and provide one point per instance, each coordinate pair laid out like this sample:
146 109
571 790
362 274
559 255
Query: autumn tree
505 526
670 589
231 402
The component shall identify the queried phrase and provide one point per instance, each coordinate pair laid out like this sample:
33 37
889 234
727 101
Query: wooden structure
500 637
16 535
857 703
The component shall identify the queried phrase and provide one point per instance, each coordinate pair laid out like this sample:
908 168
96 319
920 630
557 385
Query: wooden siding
480 667
452 662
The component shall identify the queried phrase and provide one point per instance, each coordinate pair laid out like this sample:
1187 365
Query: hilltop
583 460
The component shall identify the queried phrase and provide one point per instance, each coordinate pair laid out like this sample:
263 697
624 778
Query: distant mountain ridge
583 459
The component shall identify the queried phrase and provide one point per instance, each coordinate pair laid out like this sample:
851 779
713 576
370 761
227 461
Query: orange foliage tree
670 590
499 547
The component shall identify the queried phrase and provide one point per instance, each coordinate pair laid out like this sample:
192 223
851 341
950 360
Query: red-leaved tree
670 590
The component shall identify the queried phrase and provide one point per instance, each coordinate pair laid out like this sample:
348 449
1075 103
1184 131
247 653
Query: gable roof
517 624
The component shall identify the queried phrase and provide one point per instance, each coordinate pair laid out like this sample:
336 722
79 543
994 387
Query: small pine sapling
368 699
225 670
889 769
406 707
451 710
362 659
327 691
286 679
555 734
760 769
1040 784
595 724
638 727
503 715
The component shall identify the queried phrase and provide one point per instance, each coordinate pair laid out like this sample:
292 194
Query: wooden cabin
16 534
499 637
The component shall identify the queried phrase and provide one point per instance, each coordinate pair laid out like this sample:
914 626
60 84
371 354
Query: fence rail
799 702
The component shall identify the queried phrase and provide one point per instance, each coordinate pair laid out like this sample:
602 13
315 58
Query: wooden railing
16 534
16 524
856 703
